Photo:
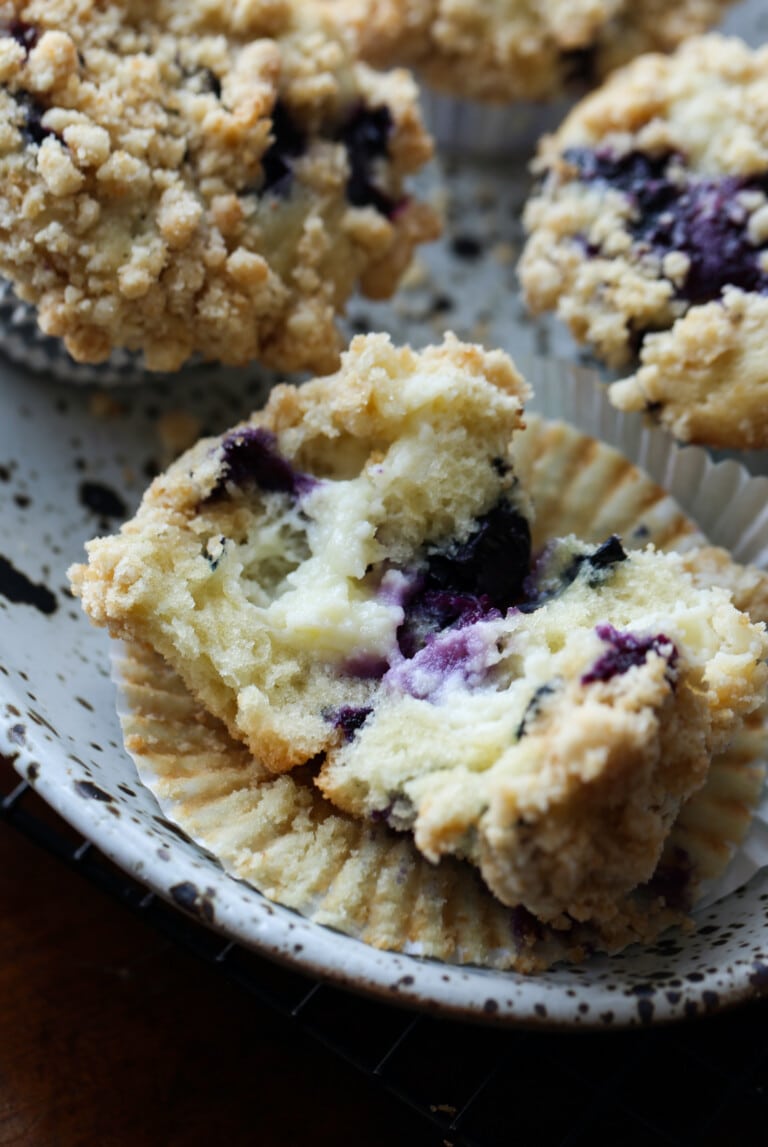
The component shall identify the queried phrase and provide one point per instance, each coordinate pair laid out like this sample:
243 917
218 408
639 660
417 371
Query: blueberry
250 457
627 651
32 129
678 211
532 709
350 720
211 83
607 554
598 565
365 134
493 562
289 142
24 34
471 581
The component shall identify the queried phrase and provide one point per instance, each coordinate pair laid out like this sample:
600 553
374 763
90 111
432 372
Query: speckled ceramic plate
71 465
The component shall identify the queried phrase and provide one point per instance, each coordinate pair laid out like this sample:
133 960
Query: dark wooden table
112 1036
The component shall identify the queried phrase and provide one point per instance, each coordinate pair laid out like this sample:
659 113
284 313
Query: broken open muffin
347 582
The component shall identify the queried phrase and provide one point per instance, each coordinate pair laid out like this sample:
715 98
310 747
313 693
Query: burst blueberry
366 135
23 33
676 210
626 652
350 720
471 581
251 457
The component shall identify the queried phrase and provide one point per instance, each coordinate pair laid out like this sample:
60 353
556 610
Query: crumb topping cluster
181 177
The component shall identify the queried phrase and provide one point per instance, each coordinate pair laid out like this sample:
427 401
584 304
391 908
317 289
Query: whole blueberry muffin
501 50
649 236
179 176
348 579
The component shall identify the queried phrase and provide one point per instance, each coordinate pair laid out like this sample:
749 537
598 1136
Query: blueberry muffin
649 236
348 578
502 50
270 566
181 176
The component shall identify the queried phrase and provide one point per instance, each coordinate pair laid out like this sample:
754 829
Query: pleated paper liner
281 836
23 342
581 486
490 130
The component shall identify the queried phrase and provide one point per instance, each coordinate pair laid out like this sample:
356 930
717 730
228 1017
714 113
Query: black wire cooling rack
702 1083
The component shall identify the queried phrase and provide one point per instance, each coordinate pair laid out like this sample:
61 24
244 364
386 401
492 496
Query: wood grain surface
111 1036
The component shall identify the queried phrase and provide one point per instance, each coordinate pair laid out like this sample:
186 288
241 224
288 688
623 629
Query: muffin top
181 177
649 235
502 50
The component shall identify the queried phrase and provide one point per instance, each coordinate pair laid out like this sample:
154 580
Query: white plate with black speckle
66 474
73 464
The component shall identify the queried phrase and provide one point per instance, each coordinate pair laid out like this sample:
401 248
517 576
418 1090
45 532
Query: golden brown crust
174 178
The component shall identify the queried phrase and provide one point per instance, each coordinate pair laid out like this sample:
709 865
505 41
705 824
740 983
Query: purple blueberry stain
365 666
250 457
627 651
677 211
437 610
455 655
349 720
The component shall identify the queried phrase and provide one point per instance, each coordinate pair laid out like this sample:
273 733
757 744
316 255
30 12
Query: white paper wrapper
488 130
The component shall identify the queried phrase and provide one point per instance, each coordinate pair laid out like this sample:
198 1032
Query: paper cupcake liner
581 486
281 836
22 341
490 130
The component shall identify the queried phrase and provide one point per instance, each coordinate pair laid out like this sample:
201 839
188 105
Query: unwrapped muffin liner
280 835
